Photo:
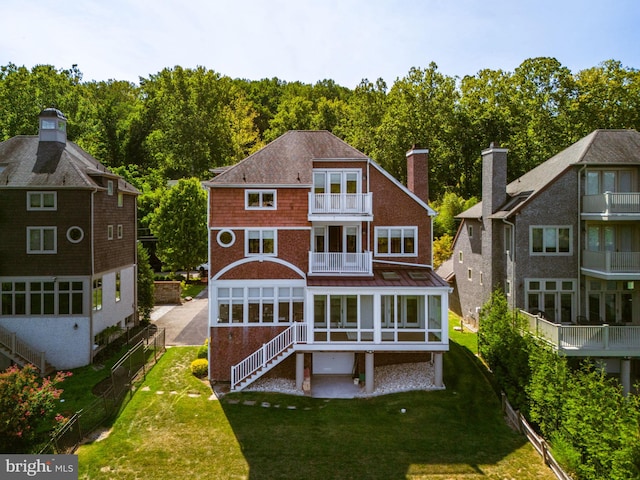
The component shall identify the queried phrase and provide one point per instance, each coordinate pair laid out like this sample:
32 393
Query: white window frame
221 242
551 228
470 231
41 250
470 274
120 199
261 237
118 286
460 256
109 187
41 195
109 232
120 230
402 229
261 202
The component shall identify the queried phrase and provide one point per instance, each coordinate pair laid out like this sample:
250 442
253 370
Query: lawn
172 429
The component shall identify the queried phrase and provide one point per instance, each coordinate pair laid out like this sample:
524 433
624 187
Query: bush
200 367
203 351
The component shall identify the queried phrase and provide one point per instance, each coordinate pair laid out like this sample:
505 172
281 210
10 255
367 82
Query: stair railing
24 352
296 333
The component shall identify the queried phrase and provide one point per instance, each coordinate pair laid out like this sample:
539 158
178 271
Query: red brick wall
111 254
392 206
231 345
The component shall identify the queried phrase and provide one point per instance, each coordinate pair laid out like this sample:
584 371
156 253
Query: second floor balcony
612 204
612 263
340 204
337 263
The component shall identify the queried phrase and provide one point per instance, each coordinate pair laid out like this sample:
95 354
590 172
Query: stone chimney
494 179
53 126
418 172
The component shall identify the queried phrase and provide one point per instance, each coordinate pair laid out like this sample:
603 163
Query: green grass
180 433
192 289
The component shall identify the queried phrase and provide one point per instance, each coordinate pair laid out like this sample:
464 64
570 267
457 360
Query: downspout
512 251
579 235
93 268
370 228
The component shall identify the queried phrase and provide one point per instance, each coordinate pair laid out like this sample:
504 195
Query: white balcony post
605 336
13 342
264 355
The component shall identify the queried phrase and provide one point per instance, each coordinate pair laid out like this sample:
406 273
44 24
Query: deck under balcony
586 340
334 205
610 205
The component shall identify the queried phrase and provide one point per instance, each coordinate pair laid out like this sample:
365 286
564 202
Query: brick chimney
494 179
418 172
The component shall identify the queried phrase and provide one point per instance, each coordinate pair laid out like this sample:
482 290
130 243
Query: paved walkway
184 324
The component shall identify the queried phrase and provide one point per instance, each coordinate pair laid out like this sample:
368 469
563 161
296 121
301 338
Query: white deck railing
617 340
611 203
612 262
340 203
340 262
296 333
23 351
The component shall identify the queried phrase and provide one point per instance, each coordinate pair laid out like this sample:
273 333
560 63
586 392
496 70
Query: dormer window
48 124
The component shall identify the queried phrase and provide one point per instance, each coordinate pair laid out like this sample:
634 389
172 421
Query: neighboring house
67 250
316 250
563 243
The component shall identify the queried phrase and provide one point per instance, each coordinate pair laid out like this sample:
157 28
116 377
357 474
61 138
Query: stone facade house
320 263
563 243
67 250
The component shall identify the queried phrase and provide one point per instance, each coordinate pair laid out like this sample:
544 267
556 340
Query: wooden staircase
22 353
267 356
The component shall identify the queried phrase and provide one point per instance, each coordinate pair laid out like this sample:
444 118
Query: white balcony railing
340 262
340 203
609 203
586 340
612 262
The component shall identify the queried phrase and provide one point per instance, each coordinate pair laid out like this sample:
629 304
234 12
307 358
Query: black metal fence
133 365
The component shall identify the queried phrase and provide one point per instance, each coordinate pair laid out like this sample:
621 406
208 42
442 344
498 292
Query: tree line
183 122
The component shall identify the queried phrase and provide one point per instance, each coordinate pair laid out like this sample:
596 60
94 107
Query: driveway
184 324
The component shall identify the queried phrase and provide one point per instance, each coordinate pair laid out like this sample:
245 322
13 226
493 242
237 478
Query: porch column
368 372
437 369
625 375
299 370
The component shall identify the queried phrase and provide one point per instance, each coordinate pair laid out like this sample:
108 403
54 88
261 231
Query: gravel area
388 379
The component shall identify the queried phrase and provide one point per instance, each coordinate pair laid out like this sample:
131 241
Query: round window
226 238
75 234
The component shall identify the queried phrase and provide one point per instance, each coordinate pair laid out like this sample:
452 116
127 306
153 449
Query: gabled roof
288 160
26 162
600 147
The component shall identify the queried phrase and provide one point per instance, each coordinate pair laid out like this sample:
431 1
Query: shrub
203 351
200 367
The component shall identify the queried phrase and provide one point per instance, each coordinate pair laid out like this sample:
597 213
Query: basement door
333 363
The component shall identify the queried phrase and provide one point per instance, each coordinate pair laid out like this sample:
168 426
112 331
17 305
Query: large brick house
320 263
563 243
67 249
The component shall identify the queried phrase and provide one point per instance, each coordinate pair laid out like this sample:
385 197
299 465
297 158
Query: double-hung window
261 242
396 241
260 200
41 240
550 240
38 201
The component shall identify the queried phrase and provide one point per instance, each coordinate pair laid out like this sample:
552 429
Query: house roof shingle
28 162
287 160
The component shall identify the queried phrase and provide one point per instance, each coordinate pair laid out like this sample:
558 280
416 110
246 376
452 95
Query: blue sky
343 40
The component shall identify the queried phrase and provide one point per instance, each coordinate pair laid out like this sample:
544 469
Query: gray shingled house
563 243
67 250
